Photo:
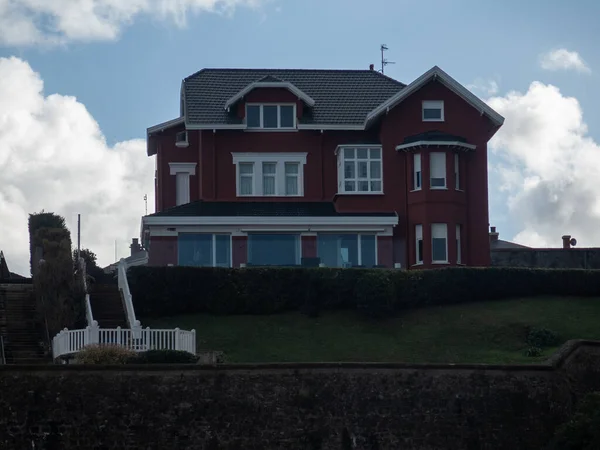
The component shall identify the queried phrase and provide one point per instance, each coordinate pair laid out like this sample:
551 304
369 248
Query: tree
88 256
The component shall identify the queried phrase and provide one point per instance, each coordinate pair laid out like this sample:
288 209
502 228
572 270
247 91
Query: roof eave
147 221
256 85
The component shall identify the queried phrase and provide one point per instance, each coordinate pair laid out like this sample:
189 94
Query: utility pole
146 202
384 62
115 249
78 237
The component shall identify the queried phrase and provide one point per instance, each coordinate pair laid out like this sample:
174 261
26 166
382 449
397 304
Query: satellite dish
573 242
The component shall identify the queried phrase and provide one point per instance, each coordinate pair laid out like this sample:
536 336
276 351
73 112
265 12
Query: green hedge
164 291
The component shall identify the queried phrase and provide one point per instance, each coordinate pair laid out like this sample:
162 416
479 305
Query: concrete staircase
23 336
107 306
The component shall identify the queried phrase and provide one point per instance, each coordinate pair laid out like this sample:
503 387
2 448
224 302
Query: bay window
437 169
270 174
439 243
273 249
360 170
347 250
204 250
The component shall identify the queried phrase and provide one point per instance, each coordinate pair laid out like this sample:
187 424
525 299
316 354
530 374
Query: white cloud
483 87
53 156
550 167
563 59
51 22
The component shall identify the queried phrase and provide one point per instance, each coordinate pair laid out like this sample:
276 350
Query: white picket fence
69 342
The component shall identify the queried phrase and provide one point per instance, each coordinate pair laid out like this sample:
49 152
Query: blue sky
130 80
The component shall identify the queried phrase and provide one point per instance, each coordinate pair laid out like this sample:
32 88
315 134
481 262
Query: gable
270 82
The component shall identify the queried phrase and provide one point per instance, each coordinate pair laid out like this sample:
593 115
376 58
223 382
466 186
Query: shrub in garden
542 337
105 354
375 293
533 352
582 432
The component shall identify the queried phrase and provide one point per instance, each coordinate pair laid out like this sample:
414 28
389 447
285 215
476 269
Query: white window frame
257 159
341 173
418 238
182 172
458 244
291 175
261 120
213 256
433 156
457 171
181 139
358 243
439 231
417 172
432 104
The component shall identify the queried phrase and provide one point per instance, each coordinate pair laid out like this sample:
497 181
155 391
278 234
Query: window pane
245 185
287 116
438 182
195 249
348 153
349 170
246 168
367 250
431 114
269 116
375 186
362 153
291 168
291 185
420 250
375 153
363 186
418 180
338 250
268 185
362 169
438 249
223 250
273 249
375 169
269 168
349 186
253 116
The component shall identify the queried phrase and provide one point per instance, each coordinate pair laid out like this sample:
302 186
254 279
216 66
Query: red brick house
281 167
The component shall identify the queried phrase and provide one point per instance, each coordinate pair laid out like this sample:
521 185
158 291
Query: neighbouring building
345 168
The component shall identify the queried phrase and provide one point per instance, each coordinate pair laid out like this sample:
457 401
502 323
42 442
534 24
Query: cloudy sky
81 80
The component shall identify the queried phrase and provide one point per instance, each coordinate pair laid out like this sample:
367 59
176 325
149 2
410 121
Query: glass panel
287 116
438 182
349 186
376 186
438 249
417 180
375 153
375 169
268 185
245 185
223 250
367 250
273 249
349 170
362 169
269 168
195 249
253 116
269 116
362 153
291 185
348 153
338 250
363 186
432 113
291 168
246 168
420 250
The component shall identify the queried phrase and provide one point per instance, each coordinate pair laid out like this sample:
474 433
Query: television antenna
384 62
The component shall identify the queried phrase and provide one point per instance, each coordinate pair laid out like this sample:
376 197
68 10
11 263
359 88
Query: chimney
566 241
372 67
493 234
135 246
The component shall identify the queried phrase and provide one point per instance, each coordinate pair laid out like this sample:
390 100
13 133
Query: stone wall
548 258
298 406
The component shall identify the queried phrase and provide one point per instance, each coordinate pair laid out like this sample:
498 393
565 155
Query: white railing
69 342
127 298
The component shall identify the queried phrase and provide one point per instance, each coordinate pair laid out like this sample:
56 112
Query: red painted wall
309 246
385 251
163 250
215 178
239 250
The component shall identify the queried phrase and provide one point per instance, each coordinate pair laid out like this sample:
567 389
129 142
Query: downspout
406 187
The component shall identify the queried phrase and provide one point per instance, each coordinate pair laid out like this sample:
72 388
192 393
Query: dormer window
271 116
181 139
433 111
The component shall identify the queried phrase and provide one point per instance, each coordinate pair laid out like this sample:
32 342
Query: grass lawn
492 332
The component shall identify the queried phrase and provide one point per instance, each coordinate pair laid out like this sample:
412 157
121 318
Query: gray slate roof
343 97
270 209
506 245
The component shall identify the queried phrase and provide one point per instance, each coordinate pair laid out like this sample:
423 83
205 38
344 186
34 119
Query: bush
542 337
533 352
105 354
164 291
582 432
163 357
